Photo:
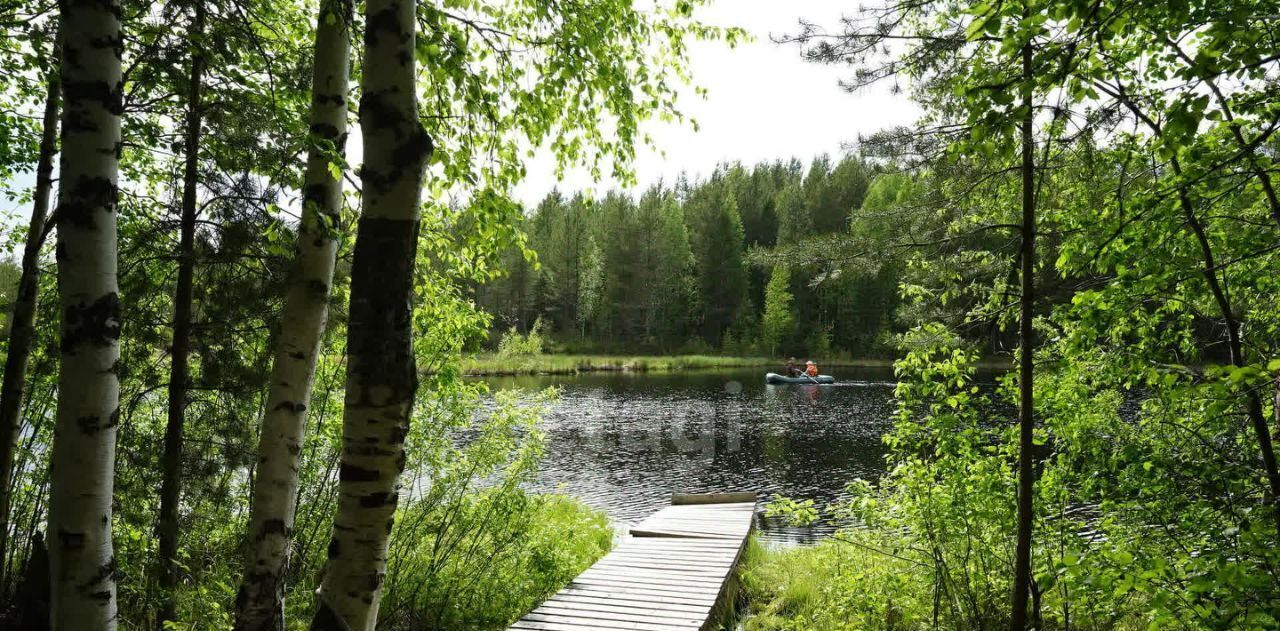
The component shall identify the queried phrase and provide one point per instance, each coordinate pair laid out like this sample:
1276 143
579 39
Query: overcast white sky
765 102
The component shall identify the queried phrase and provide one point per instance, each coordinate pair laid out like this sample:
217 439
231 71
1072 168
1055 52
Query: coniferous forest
252 244
691 267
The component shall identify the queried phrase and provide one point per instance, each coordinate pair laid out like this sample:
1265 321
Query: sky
764 102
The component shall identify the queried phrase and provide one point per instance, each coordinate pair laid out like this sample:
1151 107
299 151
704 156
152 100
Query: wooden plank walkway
668 575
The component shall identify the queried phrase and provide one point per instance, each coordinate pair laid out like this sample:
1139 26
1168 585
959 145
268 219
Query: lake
624 442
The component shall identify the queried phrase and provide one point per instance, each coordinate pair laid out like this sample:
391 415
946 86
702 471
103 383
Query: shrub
513 344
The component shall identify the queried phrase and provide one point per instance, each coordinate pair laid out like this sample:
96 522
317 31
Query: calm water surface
625 442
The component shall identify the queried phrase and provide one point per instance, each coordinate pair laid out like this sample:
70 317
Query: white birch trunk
260 602
381 375
82 563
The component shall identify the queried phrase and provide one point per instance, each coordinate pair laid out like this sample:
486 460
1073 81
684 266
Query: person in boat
811 369
793 370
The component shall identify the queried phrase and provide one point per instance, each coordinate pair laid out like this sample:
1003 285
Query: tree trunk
260 603
1235 345
1026 361
24 309
381 375
179 374
82 564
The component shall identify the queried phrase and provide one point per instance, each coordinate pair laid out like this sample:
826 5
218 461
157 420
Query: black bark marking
398 434
324 130
107 572
384 22
353 473
334 548
83 200
88 425
94 324
379 110
319 288
378 500
329 98
315 194
71 540
290 406
379 348
273 527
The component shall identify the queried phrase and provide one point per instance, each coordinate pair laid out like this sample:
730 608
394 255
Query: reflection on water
625 442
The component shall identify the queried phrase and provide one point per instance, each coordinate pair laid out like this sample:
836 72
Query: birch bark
82 563
260 602
381 374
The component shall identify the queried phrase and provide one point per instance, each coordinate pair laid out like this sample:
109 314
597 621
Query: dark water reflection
625 442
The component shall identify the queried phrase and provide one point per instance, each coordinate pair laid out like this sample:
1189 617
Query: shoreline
494 366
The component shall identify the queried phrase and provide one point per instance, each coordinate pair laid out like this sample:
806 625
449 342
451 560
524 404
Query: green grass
548 364
509 553
832 586
493 364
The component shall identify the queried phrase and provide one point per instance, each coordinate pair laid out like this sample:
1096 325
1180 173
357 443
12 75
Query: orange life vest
812 370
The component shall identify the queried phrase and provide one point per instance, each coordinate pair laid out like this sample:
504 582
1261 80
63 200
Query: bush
474 550
513 344
488 558
809 588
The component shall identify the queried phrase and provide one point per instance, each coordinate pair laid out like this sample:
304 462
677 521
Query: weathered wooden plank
606 623
611 612
723 499
667 576
640 602
650 585
622 592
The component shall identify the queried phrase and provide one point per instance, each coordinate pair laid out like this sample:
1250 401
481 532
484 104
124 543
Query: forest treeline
230 351
730 264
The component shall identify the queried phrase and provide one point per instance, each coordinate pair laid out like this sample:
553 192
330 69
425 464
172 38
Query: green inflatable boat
775 378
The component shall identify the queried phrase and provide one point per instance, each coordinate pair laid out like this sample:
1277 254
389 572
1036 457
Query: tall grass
831 586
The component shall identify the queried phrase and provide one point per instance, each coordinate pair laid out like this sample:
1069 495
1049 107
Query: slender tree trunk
1026 361
24 309
1235 346
381 375
179 373
83 566
260 603
1253 402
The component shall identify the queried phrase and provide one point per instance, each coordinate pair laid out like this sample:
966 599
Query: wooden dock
669 574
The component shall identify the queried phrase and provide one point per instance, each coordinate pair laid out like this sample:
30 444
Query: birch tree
381 372
81 559
260 602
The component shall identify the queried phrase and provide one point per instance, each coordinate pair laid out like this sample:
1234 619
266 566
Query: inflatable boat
775 378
